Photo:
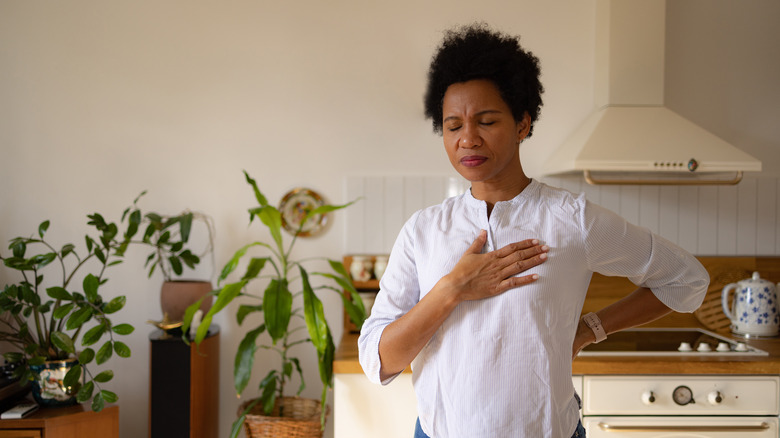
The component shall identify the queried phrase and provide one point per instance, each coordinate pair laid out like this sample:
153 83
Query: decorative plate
295 205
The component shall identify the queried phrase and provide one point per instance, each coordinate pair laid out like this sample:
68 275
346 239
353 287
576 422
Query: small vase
360 268
48 388
177 295
379 266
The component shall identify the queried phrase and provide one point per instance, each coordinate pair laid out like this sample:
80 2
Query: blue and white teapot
754 310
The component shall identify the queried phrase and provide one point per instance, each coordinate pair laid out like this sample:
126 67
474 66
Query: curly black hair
476 52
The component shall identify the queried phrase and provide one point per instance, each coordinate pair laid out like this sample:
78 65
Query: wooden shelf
66 422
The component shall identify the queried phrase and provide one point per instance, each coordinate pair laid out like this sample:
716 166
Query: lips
472 160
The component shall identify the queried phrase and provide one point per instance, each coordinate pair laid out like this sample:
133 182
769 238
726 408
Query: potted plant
56 308
282 280
168 237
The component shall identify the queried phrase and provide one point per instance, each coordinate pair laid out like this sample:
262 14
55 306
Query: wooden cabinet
370 287
184 386
69 422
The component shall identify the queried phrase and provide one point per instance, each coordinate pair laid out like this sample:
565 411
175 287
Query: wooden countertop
346 362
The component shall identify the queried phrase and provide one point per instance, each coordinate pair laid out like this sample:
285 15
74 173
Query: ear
523 127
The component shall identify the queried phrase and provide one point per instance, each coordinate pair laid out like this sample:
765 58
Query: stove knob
704 347
723 347
684 346
741 347
648 398
714 398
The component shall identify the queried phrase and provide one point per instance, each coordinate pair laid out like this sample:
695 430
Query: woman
482 294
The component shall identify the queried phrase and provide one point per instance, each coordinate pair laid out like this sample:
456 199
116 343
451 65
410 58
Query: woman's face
480 134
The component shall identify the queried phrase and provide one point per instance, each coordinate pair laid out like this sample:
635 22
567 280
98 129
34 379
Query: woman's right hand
478 275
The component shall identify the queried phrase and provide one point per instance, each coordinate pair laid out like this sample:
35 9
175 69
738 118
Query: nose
469 137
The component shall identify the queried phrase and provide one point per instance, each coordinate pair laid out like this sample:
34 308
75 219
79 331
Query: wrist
593 323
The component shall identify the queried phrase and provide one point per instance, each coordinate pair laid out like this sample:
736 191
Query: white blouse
501 366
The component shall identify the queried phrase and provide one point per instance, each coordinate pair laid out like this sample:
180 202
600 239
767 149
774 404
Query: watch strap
592 320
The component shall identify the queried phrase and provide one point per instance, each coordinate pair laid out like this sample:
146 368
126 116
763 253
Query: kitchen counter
346 361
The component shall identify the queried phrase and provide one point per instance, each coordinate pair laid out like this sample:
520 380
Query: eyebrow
481 113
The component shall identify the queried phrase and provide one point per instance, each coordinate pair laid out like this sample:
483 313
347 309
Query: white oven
681 406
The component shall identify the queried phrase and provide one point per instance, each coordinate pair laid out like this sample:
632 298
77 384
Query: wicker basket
300 418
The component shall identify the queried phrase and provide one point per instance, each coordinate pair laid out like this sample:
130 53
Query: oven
679 405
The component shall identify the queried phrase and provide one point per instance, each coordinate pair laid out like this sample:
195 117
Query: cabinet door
29 433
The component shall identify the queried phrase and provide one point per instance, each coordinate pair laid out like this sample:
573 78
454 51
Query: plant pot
177 295
300 418
48 388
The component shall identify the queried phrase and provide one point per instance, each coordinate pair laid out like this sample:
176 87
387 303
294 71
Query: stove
670 342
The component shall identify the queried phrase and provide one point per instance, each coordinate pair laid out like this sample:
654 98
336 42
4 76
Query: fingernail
535 242
545 248
542 256
535 276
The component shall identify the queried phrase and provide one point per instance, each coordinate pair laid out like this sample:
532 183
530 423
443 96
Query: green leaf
258 195
58 293
85 393
93 335
185 225
123 329
189 258
100 255
324 209
91 284
73 377
67 249
13 357
89 242
245 358
121 349
300 374
231 265
63 342
226 295
272 219
239 423
115 305
268 391
86 356
105 376
109 396
244 310
78 318
62 311
277 308
42 228
314 315
42 260
255 266
104 353
18 248
176 265
98 403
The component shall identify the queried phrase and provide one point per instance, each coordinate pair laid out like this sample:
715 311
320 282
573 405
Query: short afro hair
476 52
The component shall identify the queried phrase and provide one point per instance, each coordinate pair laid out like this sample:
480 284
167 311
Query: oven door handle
649 428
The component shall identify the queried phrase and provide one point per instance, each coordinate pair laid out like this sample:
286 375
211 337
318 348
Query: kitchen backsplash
705 220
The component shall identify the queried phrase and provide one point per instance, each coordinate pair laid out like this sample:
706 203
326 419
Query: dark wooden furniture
69 422
184 386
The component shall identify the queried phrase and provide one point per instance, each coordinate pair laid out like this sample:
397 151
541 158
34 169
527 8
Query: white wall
101 100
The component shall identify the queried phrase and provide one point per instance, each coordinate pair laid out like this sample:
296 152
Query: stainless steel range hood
632 138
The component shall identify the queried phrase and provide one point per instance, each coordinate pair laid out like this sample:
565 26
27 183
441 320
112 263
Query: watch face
682 395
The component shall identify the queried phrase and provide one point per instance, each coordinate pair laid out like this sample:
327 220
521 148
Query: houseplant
168 237
46 315
279 310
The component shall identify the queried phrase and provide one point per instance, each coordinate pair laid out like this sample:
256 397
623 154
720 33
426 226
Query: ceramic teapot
754 310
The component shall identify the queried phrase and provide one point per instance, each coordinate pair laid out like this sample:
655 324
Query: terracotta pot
48 388
177 295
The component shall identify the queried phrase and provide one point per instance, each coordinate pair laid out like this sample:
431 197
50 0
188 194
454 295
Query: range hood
632 138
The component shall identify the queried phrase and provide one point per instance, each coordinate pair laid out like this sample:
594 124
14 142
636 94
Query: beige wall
101 100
